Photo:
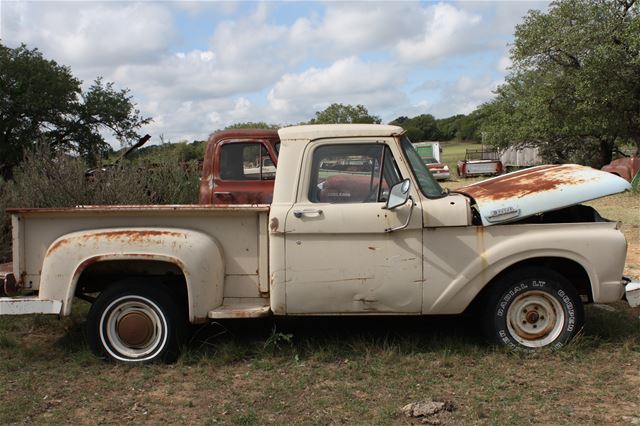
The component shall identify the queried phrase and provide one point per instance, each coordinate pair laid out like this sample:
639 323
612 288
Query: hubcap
135 329
535 319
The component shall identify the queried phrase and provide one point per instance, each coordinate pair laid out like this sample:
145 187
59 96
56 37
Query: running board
240 311
29 305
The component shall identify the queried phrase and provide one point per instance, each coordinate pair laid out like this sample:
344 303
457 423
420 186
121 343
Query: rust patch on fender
132 236
57 245
525 182
137 235
273 225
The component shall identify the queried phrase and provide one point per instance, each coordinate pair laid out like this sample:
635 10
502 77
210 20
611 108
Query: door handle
307 212
223 194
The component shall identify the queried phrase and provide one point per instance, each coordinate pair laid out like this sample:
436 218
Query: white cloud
504 64
251 42
463 95
195 7
351 27
193 75
88 34
448 31
349 80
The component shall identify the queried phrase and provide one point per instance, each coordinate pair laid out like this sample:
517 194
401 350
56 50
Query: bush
47 180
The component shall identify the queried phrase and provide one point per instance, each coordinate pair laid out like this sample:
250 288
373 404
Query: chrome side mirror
399 195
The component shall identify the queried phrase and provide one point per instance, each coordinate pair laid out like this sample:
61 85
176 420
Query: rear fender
198 256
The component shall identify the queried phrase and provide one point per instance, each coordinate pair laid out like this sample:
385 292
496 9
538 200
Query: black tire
136 323
533 308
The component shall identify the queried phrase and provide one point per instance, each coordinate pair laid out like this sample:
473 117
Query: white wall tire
533 308
134 323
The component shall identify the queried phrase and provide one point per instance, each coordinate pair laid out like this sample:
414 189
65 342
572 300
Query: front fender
500 247
198 256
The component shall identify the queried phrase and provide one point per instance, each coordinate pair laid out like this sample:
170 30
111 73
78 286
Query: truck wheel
533 308
131 323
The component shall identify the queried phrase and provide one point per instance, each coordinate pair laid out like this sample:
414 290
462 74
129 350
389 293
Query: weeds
277 341
45 179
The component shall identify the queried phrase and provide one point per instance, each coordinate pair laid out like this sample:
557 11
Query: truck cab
239 167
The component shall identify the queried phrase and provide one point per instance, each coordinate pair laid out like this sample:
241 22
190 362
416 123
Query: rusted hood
539 189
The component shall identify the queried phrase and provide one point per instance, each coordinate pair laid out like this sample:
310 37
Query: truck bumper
632 292
29 305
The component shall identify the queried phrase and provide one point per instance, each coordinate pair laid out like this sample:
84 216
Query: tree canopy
253 125
426 127
339 113
43 103
573 89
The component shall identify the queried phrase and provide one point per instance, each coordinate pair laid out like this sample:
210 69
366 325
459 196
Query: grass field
333 370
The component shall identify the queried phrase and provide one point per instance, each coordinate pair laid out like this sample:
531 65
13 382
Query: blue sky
196 67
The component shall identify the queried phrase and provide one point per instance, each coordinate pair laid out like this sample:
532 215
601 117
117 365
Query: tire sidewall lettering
503 334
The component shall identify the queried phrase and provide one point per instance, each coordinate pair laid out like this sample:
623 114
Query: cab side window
354 173
246 161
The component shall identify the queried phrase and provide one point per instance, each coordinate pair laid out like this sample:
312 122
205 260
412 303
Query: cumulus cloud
348 80
193 75
351 27
194 120
463 95
88 34
252 41
448 31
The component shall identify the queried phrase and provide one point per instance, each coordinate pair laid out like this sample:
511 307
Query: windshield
428 185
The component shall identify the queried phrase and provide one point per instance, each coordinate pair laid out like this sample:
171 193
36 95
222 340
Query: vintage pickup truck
357 226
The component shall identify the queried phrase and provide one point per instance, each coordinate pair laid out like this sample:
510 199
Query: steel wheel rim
535 319
124 347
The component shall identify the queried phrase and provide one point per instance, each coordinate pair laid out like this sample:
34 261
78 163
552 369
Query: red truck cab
239 167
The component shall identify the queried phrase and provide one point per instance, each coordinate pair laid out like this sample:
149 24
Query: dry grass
332 370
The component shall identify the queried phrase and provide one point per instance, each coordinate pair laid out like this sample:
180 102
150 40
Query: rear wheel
131 322
533 308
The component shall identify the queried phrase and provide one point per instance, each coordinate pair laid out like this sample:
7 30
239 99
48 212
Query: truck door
244 173
339 257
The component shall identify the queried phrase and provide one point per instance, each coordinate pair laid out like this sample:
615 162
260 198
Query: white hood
540 189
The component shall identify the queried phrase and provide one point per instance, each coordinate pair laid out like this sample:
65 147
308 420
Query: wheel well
571 270
98 276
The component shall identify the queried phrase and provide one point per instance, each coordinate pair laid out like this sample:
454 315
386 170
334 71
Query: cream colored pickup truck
357 226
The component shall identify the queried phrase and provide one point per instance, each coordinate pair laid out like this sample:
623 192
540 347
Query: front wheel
533 308
135 323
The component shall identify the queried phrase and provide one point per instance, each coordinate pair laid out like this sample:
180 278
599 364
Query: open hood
540 189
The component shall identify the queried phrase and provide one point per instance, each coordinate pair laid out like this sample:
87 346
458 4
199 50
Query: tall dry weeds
44 179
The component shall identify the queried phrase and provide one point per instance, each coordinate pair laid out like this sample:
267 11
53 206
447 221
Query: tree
422 127
43 103
573 89
339 113
253 125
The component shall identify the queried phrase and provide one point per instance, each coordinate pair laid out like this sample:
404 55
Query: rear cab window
246 161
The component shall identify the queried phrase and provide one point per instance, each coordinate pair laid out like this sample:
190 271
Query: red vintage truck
239 167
